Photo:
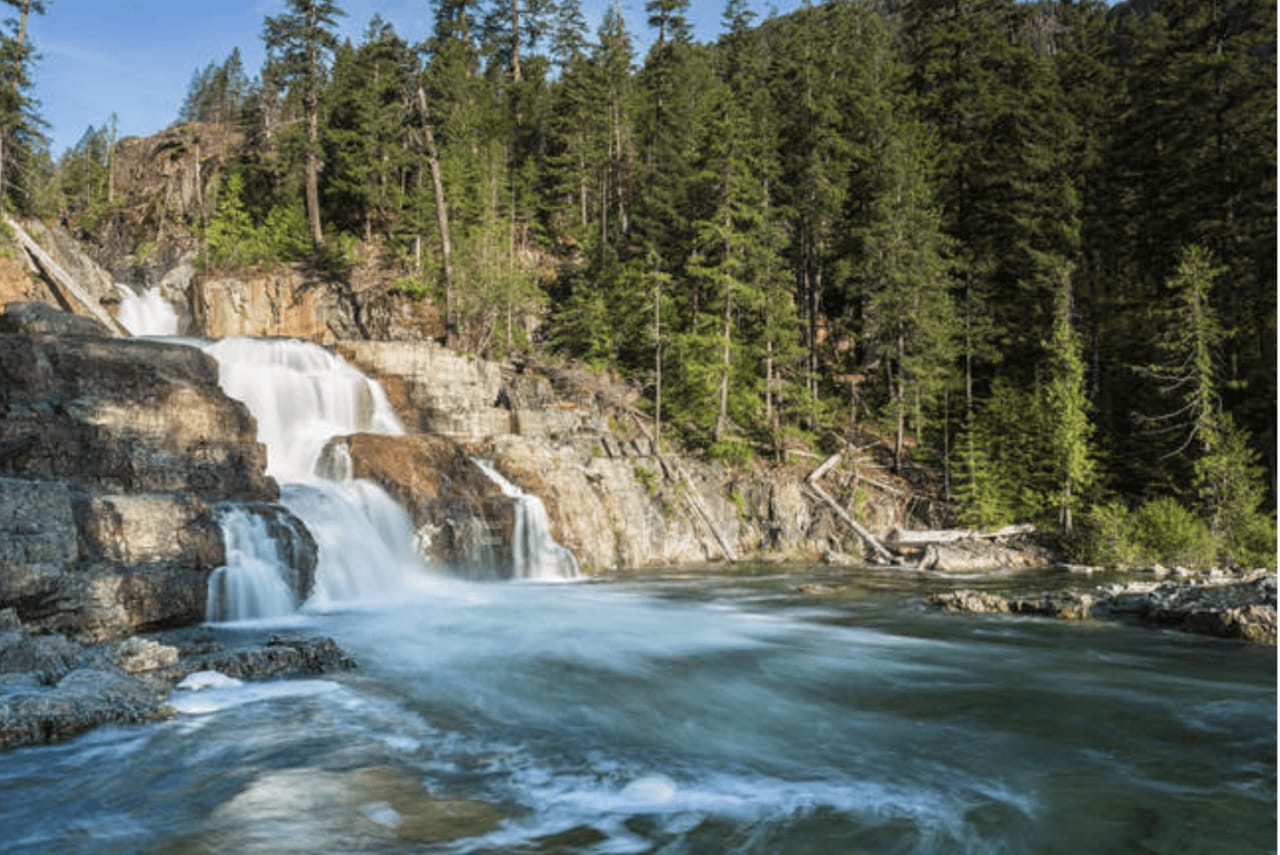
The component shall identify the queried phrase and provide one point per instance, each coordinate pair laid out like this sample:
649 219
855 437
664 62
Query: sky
135 58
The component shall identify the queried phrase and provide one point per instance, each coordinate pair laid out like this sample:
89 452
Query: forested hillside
1031 245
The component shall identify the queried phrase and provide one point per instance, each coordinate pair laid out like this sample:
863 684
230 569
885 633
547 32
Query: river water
696 712
686 712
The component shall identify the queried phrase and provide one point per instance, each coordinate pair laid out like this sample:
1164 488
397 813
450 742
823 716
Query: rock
967 601
43 319
83 699
974 556
148 528
281 656
136 655
37 542
434 390
458 512
125 416
284 301
47 657
52 688
1236 609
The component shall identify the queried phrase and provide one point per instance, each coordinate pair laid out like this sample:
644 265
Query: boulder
1239 608
37 318
124 416
459 513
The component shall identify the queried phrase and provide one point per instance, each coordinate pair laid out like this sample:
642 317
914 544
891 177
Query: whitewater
690 711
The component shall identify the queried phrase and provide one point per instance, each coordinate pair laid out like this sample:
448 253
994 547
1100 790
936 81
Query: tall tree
19 124
300 43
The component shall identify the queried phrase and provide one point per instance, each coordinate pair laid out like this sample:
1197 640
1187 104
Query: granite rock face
114 456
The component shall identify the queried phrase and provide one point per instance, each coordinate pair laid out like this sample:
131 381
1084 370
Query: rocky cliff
612 499
115 456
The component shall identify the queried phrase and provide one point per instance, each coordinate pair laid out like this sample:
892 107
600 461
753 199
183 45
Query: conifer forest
1030 247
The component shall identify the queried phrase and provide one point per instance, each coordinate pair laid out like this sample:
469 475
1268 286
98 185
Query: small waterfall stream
535 554
146 312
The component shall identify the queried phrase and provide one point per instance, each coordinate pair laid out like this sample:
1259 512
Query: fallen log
878 553
905 538
63 285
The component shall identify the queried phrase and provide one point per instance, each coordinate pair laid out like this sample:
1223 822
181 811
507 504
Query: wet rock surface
1224 605
115 458
52 688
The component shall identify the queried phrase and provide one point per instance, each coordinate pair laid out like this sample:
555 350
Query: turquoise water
687 712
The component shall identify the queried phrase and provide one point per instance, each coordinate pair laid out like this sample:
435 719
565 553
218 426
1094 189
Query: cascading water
302 396
146 313
250 583
535 554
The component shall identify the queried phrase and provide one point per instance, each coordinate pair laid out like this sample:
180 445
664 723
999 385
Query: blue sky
135 58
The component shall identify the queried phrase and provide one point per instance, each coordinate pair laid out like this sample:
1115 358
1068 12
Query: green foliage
1167 532
731 452
647 478
1159 531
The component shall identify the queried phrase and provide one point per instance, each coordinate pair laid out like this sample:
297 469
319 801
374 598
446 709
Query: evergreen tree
299 44
1070 454
21 138
364 135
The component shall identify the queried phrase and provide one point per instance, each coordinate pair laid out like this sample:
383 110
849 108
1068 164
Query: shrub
1167 532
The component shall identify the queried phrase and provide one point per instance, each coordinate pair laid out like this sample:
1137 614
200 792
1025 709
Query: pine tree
20 126
364 137
1225 476
1070 454
299 44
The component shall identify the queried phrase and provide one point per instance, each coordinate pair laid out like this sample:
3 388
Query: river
686 712
677 712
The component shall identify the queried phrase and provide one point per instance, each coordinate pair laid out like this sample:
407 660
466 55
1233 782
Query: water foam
146 312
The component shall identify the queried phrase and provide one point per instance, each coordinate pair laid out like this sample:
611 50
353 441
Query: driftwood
878 552
63 285
909 539
691 495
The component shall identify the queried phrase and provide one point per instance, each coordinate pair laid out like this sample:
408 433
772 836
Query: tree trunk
657 364
515 41
722 410
900 399
442 212
312 167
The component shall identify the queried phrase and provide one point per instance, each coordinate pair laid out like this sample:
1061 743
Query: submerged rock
52 688
1237 608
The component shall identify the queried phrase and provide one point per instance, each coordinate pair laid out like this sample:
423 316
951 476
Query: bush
1159 531
731 452
1107 536
1167 532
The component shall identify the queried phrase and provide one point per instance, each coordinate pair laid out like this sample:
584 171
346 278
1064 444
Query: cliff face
611 499
114 457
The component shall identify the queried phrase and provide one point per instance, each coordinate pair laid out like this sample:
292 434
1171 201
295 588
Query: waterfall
302 396
146 312
535 554
250 584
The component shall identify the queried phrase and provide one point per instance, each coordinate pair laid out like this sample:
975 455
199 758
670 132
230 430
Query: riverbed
675 712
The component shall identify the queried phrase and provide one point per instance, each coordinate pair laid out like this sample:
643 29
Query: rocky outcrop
611 500
284 302
125 416
114 456
1218 605
460 515
52 688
